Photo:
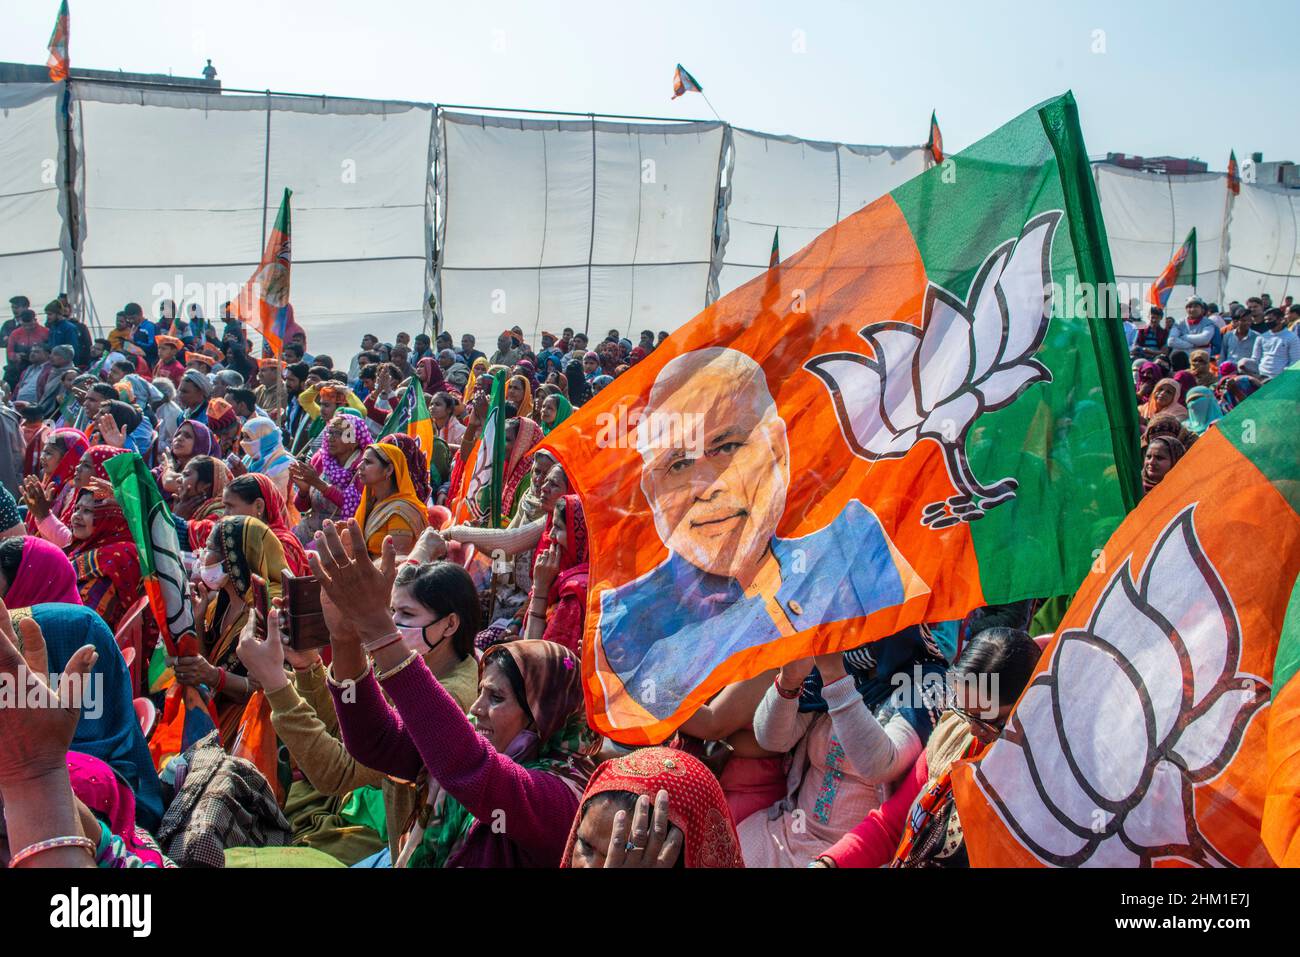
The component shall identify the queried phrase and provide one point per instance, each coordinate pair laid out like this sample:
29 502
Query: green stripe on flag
1071 444
1287 661
1263 430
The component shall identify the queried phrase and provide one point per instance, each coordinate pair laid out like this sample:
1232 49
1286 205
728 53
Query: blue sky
1190 78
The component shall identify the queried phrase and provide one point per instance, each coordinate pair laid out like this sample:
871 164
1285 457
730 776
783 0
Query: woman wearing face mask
265 453
239 548
525 755
435 607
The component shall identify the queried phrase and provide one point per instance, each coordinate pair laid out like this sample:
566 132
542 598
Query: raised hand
652 842
34 741
109 430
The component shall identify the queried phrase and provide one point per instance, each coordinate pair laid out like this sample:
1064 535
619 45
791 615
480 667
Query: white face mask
214 576
413 638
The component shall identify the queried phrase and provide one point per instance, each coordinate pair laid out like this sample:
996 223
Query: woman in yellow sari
239 548
389 505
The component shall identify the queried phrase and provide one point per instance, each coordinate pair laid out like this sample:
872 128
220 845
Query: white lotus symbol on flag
1099 760
934 380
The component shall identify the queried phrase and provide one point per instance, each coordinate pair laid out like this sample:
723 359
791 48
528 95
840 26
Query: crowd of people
443 725
1190 372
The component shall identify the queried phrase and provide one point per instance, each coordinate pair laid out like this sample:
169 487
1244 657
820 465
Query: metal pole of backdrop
591 245
266 171
107 81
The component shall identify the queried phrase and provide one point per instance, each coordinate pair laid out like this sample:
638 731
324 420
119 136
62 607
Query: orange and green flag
1162 727
1181 271
411 415
186 711
266 294
935 142
914 420
58 62
1234 174
683 82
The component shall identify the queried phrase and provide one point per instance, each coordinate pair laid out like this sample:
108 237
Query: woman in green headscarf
1202 409
555 409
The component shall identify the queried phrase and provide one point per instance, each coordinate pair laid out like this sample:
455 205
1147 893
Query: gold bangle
385 675
347 682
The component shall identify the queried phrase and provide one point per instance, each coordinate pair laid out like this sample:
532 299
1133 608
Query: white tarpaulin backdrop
32 234
591 225
803 188
501 222
173 204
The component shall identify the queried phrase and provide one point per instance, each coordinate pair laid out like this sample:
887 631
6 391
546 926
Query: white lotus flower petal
1112 852
1004 772
885 443
895 349
1204 740
858 384
1003 385
1177 588
944 359
1035 718
1147 647
1025 287
1094 685
988 321
1158 818
949 420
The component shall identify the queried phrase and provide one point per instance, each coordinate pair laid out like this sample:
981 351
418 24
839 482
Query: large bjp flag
266 294
917 414
1163 725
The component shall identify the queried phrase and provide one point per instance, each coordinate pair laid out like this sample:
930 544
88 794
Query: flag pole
715 112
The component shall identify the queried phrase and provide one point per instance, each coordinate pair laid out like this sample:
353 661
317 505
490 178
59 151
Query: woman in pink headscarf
34 572
120 841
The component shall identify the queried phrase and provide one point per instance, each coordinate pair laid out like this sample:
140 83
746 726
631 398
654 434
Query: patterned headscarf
205 443
696 805
277 520
110 550
559 741
265 451
344 478
416 463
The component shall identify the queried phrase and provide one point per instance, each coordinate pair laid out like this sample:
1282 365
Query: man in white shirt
1239 340
1277 348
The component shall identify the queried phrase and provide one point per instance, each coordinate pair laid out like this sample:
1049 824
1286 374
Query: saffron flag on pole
58 62
1234 174
935 143
267 292
774 258
1181 271
683 82
186 713
411 415
1163 724
927 412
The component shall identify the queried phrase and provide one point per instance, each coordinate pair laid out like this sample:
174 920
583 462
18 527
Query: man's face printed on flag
716 463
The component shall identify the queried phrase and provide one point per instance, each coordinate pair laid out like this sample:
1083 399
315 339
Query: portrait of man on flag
729 581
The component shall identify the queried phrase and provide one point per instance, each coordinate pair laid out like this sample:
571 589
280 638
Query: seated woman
522 437
239 548
655 807
1163 401
389 506
524 758
442 409
256 496
105 557
842 763
918 826
108 817
329 489
555 409
55 528
1203 409
557 607
191 438
517 542
198 497
264 452
34 571
435 607
60 454
110 730
519 393
1162 454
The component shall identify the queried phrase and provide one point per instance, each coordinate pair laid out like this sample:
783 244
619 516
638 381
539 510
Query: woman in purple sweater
504 784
